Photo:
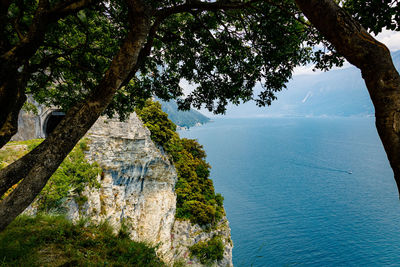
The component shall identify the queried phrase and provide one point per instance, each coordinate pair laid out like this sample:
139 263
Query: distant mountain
182 118
334 93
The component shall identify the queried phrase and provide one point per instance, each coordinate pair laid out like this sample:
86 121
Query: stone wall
32 126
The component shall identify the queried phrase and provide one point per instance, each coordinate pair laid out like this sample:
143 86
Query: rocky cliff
137 189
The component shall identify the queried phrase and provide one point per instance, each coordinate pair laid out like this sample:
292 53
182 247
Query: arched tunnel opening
51 122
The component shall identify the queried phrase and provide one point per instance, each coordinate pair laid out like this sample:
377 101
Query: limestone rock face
185 235
137 184
137 187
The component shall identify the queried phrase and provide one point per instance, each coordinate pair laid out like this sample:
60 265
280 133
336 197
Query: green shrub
71 177
161 128
196 199
30 108
208 251
47 240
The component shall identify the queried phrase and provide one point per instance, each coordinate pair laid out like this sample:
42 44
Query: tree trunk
12 98
373 59
14 59
35 168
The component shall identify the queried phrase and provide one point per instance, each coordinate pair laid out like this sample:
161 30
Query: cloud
390 38
305 70
308 70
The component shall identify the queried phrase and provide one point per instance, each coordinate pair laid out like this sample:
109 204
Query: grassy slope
54 241
16 149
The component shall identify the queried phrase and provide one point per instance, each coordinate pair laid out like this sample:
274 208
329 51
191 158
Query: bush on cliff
208 251
70 179
196 199
55 241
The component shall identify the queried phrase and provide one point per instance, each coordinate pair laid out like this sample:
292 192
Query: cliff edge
152 183
137 189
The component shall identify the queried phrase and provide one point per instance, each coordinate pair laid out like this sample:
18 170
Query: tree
94 57
373 58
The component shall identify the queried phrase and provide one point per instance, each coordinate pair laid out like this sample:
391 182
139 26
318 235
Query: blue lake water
289 197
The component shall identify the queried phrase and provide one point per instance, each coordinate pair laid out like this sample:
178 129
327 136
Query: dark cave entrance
52 120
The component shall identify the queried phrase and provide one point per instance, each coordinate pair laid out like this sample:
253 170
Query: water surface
289 196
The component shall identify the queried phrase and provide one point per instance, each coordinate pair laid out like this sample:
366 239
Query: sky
389 38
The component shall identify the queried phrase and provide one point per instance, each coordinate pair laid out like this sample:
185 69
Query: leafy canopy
223 52
375 15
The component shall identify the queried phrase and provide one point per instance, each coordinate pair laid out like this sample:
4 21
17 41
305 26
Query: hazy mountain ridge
182 118
336 93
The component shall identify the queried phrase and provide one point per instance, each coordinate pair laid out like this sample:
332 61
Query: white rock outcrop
185 235
138 189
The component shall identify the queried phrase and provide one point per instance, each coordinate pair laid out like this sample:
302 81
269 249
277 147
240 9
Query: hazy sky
389 38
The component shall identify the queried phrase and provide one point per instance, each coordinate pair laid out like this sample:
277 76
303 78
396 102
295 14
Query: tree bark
12 98
12 59
11 104
373 59
35 168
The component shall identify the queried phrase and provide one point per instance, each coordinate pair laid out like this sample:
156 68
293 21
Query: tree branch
35 168
34 38
4 5
16 57
65 8
373 58
203 6
144 53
